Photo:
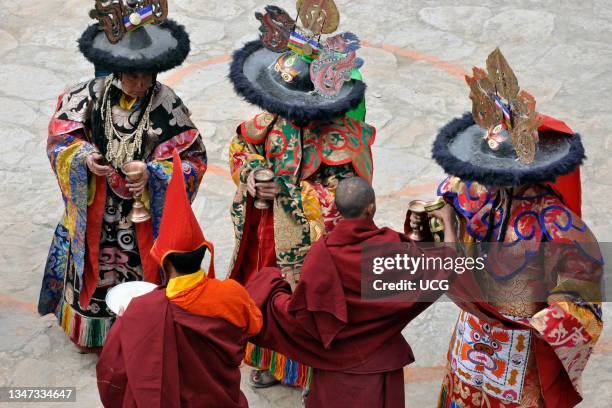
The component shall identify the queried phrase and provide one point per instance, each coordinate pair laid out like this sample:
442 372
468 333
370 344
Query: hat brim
460 150
169 48
250 73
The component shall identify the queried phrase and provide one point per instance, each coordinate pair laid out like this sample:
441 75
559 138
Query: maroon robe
159 355
355 347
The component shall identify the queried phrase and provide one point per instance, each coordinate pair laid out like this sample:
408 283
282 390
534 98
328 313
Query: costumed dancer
287 160
183 344
109 144
514 182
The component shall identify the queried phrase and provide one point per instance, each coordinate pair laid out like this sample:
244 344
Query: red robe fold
355 347
159 355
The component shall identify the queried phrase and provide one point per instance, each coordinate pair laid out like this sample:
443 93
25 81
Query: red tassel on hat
179 230
568 186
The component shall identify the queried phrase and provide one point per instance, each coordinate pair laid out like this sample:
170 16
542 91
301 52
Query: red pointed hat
179 231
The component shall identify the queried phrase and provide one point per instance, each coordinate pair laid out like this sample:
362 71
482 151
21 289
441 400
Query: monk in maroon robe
355 346
180 345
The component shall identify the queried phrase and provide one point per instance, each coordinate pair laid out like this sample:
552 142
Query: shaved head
355 198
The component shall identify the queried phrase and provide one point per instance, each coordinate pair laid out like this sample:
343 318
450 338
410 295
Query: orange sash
226 300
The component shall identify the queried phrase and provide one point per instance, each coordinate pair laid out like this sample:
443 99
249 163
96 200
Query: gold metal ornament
436 225
318 16
307 48
499 83
525 133
133 172
502 76
435 205
422 207
484 111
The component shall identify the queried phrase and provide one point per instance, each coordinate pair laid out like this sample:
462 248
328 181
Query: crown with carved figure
119 17
500 106
293 72
504 141
134 36
331 61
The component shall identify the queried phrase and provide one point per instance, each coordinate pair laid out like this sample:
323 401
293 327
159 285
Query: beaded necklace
121 147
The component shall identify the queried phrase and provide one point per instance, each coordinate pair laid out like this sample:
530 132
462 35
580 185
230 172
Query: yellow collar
181 283
127 103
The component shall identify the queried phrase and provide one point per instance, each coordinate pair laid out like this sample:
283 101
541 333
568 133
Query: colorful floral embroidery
308 163
568 337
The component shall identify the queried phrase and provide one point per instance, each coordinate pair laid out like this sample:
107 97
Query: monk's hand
251 184
137 186
95 164
268 190
417 221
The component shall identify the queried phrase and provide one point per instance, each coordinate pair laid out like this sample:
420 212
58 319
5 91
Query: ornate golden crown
501 107
119 17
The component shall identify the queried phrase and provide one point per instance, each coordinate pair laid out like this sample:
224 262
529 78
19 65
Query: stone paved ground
416 54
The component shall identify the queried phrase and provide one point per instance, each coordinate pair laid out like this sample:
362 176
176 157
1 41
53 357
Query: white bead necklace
120 148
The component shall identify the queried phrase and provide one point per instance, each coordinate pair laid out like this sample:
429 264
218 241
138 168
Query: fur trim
168 60
294 113
490 177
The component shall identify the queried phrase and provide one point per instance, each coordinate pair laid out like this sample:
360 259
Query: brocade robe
308 162
526 339
94 246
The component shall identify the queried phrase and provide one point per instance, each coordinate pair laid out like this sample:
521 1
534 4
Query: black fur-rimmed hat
461 150
504 141
148 49
254 77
